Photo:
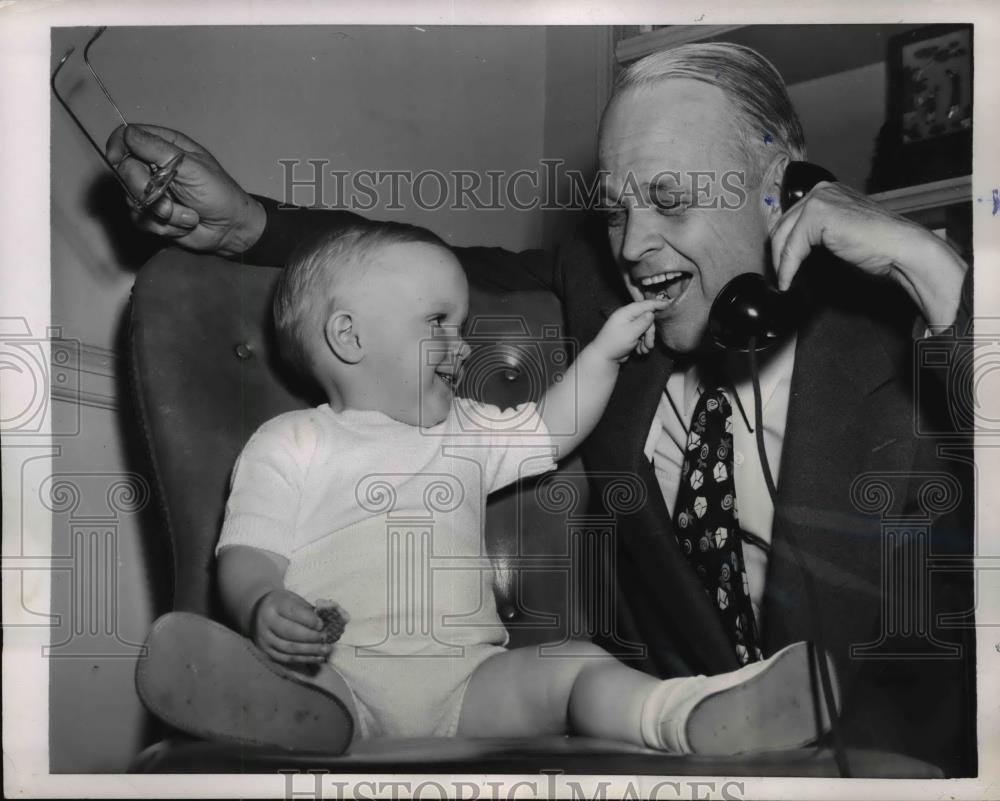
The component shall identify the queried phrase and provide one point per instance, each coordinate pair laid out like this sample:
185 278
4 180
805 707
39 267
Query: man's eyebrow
665 177
670 178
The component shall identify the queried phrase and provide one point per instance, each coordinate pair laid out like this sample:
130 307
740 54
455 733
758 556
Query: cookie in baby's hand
334 619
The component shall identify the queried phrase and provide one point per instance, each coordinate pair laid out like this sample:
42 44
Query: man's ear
342 336
771 189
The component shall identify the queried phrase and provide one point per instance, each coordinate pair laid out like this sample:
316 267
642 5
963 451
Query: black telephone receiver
749 307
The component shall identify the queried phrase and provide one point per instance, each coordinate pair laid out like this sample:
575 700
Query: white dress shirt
668 436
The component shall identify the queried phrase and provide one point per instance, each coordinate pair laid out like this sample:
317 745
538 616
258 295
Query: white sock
667 708
665 712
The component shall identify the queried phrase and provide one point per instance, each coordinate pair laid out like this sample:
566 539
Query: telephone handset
749 307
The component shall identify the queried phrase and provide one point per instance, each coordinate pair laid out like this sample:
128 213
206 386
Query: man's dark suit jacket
851 464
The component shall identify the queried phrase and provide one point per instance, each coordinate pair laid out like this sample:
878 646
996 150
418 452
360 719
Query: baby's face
411 331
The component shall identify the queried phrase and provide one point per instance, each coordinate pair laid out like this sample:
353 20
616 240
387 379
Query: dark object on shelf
928 131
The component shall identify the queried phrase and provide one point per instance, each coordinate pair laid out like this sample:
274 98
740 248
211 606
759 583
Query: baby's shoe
207 680
771 705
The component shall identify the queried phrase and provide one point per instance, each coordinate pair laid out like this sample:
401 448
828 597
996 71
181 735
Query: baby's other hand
287 629
629 328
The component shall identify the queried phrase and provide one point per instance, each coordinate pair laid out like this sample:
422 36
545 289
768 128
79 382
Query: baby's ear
342 337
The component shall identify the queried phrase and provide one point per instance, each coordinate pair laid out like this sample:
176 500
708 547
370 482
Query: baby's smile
447 376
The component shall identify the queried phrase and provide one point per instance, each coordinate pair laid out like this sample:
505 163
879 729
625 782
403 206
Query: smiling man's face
652 139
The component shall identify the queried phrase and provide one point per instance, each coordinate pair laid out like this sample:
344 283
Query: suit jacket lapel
835 432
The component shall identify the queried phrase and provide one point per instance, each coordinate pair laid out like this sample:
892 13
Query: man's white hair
766 122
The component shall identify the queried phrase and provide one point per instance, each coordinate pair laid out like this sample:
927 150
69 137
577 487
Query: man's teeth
660 278
665 286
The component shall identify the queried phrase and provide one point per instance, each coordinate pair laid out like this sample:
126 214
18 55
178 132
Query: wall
844 141
365 98
578 73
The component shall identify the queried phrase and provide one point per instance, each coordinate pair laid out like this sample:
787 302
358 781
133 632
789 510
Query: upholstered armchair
204 376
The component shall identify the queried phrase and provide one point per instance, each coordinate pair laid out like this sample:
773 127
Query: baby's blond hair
319 269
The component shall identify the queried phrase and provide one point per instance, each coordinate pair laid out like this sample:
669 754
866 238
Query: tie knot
712 416
713 399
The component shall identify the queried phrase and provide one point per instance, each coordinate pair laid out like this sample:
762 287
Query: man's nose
642 235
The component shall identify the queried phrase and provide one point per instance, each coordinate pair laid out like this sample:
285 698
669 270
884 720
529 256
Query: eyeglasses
160 177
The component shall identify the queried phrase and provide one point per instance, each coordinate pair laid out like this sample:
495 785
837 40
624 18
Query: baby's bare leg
766 705
522 693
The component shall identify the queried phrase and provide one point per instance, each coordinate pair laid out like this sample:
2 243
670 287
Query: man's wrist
248 231
933 275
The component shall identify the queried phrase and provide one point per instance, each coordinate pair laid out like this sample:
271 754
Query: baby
375 500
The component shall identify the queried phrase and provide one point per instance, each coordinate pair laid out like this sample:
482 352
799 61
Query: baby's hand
626 329
288 629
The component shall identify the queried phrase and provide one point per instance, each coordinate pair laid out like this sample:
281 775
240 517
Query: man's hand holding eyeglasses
204 210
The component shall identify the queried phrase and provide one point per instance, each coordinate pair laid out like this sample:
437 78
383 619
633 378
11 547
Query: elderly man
837 398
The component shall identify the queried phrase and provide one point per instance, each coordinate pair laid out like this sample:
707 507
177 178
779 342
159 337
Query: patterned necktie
707 524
